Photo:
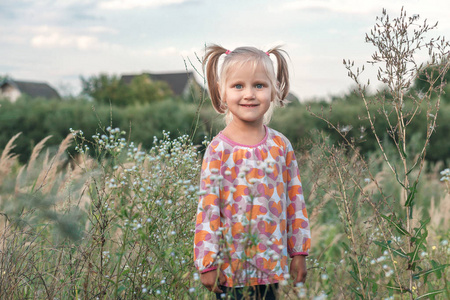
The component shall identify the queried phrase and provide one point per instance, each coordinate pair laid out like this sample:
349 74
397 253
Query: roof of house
33 89
176 81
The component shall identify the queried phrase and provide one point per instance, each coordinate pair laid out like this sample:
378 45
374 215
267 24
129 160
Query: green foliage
106 89
38 118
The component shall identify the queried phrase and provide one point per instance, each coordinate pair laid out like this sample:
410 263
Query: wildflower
321 296
144 290
324 276
445 175
191 290
345 128
433 248
444 243
367 180
381 258
301 293
283 282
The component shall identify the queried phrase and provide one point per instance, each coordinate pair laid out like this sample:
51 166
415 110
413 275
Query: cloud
56 37
132 4
342 6
356 8
57 40
102 29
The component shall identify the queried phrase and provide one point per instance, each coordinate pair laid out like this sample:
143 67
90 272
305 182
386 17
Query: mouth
249 105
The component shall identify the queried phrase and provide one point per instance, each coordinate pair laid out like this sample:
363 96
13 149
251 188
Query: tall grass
111 226
117 224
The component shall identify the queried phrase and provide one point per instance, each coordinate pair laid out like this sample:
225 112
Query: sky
57 41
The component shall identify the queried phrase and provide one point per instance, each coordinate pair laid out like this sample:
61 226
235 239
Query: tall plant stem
350 224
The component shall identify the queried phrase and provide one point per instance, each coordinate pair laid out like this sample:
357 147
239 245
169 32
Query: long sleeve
298 235
206 239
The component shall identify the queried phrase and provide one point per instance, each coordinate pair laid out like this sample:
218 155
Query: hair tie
268 54
227 52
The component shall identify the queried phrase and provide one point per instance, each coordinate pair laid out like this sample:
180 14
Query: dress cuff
298 253
209 269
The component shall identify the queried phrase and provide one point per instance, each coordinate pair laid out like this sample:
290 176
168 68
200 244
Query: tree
107 89
144 90
104 89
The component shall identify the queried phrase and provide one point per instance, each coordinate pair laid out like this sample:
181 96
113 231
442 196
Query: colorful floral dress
251 213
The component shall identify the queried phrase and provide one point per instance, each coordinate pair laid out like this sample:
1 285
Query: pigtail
282 73
211 61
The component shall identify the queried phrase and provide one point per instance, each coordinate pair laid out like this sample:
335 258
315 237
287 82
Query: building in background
13 89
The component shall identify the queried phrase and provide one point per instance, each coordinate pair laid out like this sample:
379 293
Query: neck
246 134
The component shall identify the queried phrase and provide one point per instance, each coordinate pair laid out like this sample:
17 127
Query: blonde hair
216 78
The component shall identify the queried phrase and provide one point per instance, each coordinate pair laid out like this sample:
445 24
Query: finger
216 289
301 277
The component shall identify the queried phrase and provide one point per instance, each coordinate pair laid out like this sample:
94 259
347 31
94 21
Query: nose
249 94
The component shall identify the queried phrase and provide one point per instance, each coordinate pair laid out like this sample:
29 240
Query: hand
212 279
298 269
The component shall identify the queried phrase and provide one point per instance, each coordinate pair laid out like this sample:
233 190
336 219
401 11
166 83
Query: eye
238 86
259 85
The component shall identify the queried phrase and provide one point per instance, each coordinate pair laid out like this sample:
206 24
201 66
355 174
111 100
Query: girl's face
247 94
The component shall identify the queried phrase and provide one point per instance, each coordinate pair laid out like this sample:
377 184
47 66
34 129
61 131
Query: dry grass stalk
47 177
8 159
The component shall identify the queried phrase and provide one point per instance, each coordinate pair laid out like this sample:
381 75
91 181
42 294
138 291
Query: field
110 219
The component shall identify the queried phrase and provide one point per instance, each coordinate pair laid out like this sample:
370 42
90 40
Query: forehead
247 68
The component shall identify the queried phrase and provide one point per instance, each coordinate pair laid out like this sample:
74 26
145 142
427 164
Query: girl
251 212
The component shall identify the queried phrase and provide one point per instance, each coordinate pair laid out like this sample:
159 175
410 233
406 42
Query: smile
249 105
